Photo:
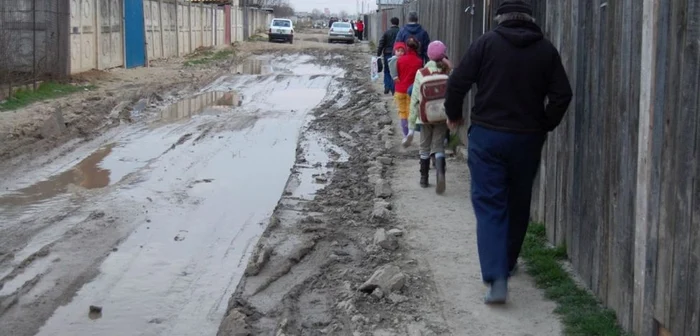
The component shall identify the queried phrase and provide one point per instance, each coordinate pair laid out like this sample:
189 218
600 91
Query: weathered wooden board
606 153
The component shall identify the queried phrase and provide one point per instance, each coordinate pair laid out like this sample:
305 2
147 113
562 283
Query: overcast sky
351 6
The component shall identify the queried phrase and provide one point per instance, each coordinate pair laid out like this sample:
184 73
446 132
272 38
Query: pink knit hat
437 51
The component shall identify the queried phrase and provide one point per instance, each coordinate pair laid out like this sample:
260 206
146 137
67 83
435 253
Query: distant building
211 2
383 4
243 3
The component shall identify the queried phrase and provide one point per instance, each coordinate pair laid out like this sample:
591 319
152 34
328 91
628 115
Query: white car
281 30
341 32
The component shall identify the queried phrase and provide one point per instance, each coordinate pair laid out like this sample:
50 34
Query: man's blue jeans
388 81
503 167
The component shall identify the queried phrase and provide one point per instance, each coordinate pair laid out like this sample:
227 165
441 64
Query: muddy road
272 199
154 221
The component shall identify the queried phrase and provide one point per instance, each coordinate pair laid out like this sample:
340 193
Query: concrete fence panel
207 26
83 35
151 13
184 28
220 27
170 35
196 38
64 37
236 24
34 40
111 44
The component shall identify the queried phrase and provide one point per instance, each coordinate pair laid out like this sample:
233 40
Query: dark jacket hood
414 28
520 33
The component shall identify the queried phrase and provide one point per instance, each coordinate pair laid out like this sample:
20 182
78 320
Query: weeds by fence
44 91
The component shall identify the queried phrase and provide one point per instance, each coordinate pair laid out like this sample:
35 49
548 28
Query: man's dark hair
395 21
413 17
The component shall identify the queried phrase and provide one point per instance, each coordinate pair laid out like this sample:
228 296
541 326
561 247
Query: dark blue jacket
514 68
416 30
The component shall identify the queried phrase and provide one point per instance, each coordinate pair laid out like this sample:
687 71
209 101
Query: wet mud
154 221
307 268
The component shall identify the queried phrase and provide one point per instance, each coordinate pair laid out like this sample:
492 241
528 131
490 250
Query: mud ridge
305 275
87 114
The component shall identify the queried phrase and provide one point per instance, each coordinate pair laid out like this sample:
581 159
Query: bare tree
316 14
283 11
343 14
281 8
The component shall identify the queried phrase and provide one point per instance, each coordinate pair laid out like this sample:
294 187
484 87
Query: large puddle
90 173
204 103
99 170
209 176
253 66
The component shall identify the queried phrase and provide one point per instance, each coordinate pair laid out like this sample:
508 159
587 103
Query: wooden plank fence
619 183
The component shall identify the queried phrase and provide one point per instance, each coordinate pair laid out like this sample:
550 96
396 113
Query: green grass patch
45 91
582 314
208 56
200 54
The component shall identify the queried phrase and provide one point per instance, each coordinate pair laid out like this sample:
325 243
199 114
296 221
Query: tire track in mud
306 271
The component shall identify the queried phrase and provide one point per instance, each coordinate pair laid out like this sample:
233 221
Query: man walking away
385 50
515 68
413 28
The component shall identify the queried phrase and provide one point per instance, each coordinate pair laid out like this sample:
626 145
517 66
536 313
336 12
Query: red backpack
432 96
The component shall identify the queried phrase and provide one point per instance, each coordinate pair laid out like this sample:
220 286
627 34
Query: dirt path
446 243
442 234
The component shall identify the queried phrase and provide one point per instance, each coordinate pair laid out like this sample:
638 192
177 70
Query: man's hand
454 124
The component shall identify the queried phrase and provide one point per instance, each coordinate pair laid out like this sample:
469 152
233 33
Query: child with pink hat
429 88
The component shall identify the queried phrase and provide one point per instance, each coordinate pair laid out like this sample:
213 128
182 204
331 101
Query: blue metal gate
135 36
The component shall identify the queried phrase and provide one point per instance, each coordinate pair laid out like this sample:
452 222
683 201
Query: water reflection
253 67
206 102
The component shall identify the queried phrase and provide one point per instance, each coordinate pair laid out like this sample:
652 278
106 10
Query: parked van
281 30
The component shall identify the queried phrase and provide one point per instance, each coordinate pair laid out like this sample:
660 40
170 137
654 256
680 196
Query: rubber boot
440 169
498 293
424 170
